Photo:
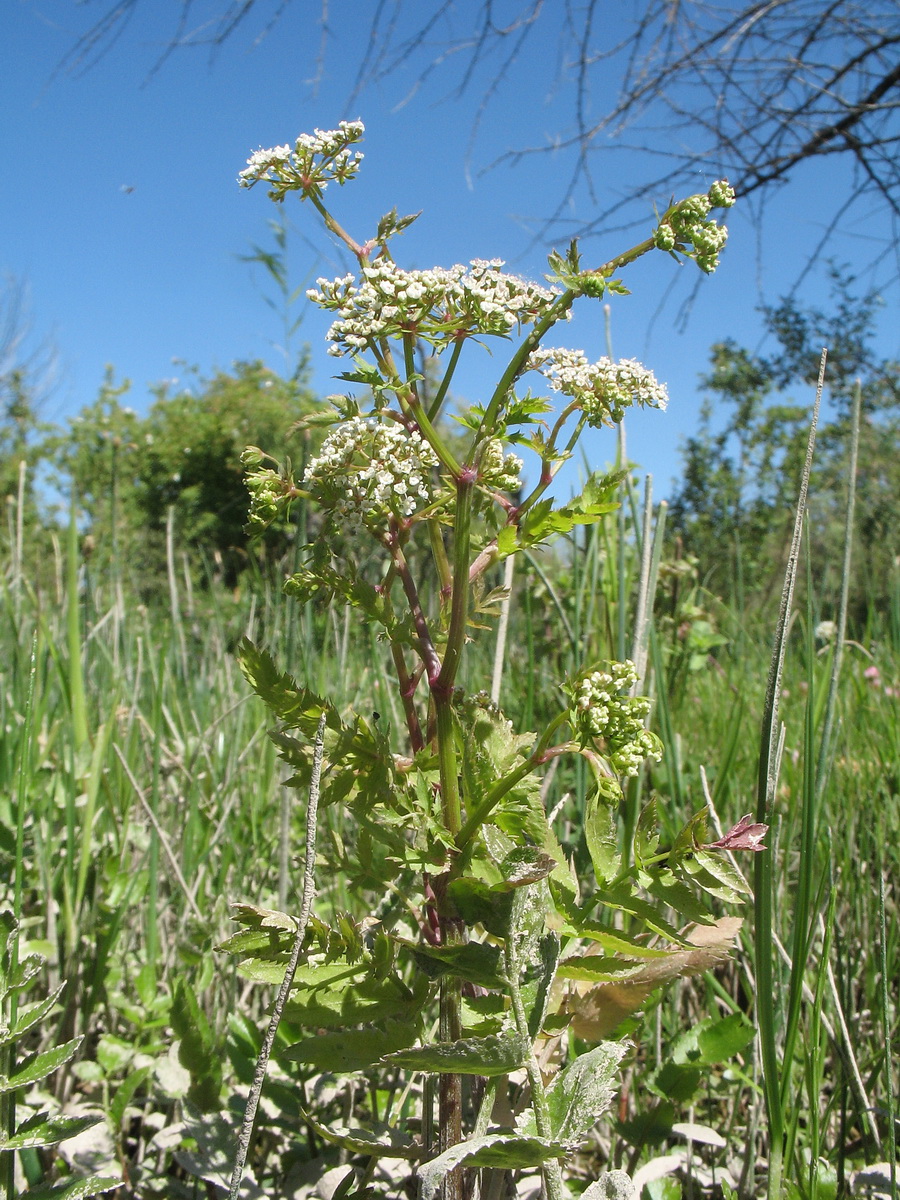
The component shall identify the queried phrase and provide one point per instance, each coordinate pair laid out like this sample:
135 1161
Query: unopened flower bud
721 194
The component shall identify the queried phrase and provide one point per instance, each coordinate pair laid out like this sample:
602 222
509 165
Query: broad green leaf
503 1151
74 1189
650 915
255 917
496 1054
670 890
39 1066
613 941
651 1127
479 903
45 1130
729 884
354 1049
720 1040
254 943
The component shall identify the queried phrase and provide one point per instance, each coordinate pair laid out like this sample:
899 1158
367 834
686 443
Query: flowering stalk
385 469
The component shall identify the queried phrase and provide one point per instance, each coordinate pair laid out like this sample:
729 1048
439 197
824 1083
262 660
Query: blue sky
121 212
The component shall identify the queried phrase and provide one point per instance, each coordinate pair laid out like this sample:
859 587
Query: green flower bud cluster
270 491
688 225
499 470
603 389
315 160
601 710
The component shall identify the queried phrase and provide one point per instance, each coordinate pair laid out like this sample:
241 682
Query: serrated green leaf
649 915
125 1093
506 541
646 834
601 835
694 834
597 968
670 890
731 883
39 1066
295 706
354 1049
256 943
472 961
41 1129
29 1016
198 1051
495 1054
74 1189
580 1094
24 973
367 1001
361 1141
596 499
503 1151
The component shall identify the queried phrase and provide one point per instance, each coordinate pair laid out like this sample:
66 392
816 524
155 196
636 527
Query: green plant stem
480 813
73 611
441 394
361 251
427 652
516 364
553 459
459 603
309 884
413 407
550 465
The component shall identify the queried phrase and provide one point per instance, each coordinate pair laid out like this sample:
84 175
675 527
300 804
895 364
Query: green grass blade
764 865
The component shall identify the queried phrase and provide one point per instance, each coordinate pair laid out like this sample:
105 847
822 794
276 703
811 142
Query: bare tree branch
750 89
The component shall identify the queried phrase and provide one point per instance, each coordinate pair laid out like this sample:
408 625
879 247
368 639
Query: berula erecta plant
484 946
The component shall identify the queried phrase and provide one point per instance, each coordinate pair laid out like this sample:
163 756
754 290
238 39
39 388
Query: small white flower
603 389
364 472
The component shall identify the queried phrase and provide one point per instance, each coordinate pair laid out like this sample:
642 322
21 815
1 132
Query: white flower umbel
315 160
602 389
369 470
602 710
439 305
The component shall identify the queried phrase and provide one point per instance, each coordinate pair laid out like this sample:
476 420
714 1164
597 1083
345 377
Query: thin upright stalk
309 888
764 867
